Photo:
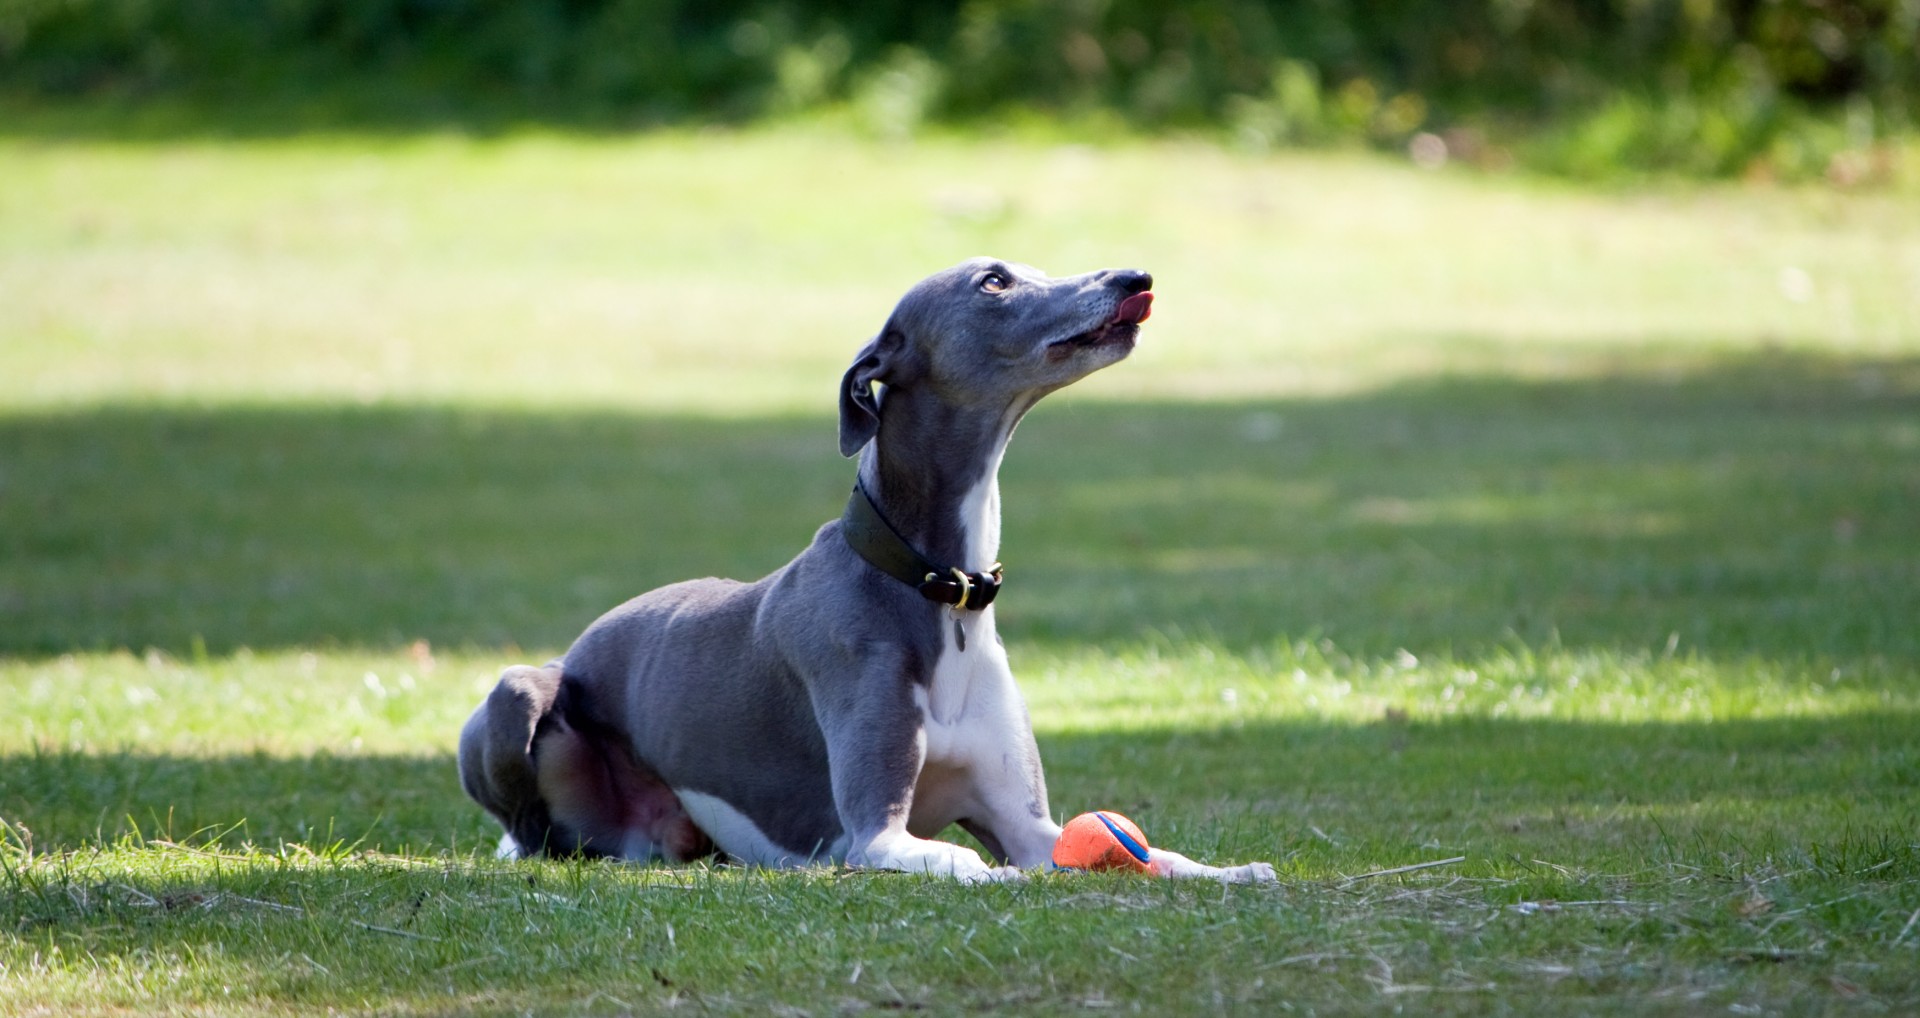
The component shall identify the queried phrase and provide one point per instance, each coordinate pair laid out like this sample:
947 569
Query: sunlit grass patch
727 273
1193 684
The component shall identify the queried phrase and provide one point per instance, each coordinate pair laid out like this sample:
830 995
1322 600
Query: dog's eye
994 282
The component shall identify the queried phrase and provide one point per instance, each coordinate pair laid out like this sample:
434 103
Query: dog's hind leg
496 756
605 800
562 785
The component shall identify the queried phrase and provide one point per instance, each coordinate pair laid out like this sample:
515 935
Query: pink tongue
1135 309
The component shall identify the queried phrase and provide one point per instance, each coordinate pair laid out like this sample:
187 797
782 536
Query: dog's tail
496 756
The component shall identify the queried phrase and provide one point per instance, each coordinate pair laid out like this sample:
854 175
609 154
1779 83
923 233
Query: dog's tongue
1135 309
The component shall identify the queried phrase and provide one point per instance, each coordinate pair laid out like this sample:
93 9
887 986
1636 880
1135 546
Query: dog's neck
933 472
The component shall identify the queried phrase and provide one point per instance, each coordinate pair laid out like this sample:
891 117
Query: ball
1101 840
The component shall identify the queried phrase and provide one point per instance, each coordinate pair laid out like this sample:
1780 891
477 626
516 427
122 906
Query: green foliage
1698 86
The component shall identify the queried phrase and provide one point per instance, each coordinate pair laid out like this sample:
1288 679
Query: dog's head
989 333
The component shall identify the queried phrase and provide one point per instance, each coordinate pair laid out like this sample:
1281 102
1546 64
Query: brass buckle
966 589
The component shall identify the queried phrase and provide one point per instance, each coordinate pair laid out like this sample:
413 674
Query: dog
857 701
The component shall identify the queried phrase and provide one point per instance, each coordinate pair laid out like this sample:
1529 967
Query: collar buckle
872 538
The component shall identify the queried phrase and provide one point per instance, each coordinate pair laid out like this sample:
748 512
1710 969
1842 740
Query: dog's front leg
876 744
1168 863
995 738
1015 823
1003 762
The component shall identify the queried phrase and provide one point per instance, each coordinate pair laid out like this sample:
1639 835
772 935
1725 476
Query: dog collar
870 535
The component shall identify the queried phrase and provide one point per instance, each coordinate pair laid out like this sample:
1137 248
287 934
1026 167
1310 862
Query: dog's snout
1132 280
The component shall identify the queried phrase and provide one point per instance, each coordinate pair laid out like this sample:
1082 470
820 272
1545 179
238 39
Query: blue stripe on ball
1134 848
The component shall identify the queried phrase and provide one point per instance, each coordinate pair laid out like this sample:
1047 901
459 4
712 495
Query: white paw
919 855
1251 873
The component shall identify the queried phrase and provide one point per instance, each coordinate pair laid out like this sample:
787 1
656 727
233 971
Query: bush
1700 86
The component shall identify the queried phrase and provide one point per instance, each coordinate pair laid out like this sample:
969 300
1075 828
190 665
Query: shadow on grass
1755 506
1330 797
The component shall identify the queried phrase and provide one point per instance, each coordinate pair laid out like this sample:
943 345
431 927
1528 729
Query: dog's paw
904 852
1251 873
1168 863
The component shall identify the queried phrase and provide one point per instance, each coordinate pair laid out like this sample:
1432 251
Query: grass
1568 532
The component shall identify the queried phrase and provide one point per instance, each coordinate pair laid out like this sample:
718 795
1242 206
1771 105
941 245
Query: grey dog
856 702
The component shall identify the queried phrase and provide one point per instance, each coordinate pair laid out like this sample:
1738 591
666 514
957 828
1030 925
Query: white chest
967 695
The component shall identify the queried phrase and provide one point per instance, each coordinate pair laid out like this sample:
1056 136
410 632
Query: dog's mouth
1121 328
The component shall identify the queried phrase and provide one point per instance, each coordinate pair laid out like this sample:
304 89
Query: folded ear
859 404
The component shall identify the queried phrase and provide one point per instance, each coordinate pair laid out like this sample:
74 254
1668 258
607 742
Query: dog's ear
859 404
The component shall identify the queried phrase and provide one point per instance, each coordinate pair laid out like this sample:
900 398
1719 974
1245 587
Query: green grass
1569 532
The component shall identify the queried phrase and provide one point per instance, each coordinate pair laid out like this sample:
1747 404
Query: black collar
870 535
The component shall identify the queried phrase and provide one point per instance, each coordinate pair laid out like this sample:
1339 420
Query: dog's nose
1131 280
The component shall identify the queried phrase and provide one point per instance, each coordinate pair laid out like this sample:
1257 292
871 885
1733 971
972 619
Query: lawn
1564 540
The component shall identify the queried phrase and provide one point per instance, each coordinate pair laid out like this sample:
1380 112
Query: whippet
857 701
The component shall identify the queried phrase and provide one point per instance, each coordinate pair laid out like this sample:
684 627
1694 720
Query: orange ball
1101 840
